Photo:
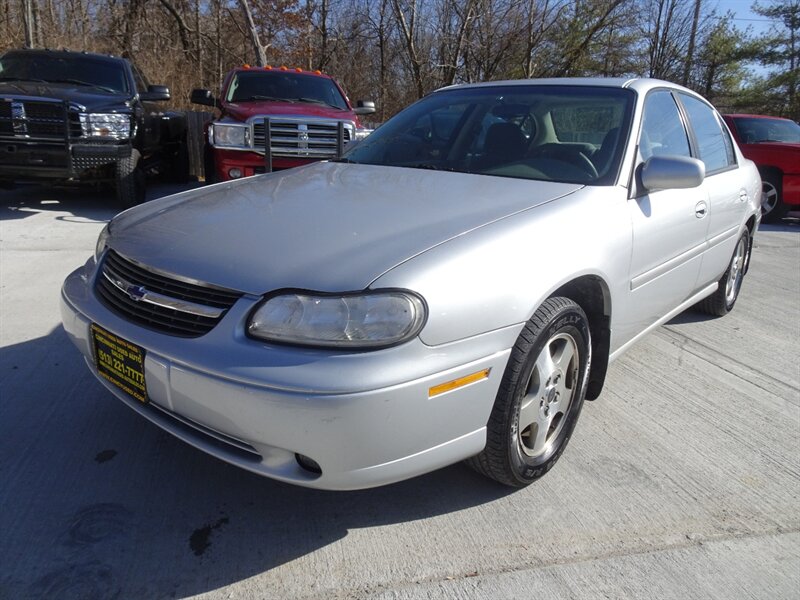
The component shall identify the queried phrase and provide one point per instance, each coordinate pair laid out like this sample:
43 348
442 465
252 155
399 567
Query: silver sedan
452 289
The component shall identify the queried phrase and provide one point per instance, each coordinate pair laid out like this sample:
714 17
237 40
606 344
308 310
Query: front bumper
251 163
31 160
365 417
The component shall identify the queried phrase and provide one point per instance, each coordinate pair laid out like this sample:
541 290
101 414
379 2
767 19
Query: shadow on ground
97 502
83 202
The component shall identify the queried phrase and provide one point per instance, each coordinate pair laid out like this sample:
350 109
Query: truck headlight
230 136
366 320
108 126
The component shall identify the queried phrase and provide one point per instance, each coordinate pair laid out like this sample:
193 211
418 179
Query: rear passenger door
725 184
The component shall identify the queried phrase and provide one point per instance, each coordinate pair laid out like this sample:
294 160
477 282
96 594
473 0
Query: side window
714 143
662 128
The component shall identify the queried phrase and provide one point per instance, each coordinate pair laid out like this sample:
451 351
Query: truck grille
301 137
172 321
28 119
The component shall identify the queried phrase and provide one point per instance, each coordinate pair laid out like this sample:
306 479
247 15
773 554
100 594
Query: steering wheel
575 158
584 162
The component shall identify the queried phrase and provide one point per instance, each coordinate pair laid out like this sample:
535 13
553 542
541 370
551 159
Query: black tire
721 302
512 456
130 180
209 168
772 207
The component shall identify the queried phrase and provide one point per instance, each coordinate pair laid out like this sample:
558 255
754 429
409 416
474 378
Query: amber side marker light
442 388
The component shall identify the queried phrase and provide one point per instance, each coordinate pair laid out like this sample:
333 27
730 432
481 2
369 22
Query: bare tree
261 55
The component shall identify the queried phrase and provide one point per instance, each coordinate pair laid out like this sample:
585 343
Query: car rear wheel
721 302
772 207
540 397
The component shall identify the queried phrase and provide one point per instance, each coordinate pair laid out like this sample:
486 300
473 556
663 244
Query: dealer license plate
120 362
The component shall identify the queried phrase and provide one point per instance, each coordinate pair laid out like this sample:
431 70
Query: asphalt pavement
681 481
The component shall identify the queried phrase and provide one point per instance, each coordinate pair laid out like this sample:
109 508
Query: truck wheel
721 302
130 180
772 207
540 396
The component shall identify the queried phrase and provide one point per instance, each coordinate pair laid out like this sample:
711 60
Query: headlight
102 241
109 126
233 136
367 320
362 133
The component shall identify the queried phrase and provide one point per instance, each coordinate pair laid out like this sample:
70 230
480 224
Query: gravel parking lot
682 480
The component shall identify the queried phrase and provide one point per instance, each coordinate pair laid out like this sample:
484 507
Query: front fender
498 275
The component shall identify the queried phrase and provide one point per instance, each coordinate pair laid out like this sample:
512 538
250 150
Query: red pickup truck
773 144
276 118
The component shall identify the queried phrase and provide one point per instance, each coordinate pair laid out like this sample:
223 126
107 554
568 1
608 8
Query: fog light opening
235 173
308 464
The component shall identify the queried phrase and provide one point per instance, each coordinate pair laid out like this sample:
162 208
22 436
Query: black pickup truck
76 117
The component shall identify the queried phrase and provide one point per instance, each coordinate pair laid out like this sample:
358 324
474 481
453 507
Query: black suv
75 116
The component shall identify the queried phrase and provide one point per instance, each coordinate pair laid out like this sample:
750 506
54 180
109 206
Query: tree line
395 51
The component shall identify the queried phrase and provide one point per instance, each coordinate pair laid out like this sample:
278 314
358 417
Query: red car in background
773 144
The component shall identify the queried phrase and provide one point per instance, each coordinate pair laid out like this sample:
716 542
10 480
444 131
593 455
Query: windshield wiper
37 80
318 101
428 166
85 84
256 97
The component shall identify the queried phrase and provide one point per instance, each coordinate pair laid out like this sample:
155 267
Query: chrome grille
301 138
37 119
115 268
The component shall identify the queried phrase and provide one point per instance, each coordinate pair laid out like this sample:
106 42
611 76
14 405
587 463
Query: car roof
66 53
641 85
293 71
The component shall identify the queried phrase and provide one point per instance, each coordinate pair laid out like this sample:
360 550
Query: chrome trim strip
141 294
180 278
666 267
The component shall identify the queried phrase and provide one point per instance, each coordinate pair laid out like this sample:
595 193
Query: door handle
743 196
700 210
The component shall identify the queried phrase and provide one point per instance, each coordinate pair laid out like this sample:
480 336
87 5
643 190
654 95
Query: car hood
246 110
85 97
329 227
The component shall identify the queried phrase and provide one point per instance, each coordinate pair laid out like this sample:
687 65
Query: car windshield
84 71
753 131
252 86
573 134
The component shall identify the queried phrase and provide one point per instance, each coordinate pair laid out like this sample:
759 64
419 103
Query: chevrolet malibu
452 289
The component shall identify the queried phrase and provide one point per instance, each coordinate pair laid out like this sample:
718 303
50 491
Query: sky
744 17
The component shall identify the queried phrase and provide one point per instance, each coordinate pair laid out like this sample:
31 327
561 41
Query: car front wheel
540 396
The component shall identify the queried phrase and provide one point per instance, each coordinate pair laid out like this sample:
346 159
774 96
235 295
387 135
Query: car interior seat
504 143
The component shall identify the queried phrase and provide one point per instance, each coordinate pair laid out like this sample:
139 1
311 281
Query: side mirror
364 107
672 172
155 93
204 97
